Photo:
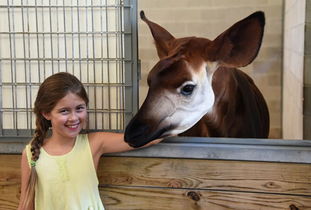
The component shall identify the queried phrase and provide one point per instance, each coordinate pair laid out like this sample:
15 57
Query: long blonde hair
50 92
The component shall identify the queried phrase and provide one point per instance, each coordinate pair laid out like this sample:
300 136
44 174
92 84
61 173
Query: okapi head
195 85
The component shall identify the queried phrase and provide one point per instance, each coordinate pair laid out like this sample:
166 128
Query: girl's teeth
72 126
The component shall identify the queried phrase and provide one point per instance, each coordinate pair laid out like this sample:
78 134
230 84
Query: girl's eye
63 111
81 108
187 90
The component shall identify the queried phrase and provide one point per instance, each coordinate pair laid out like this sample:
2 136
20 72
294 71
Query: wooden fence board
164 183
9 181
9 196
120 198
207 174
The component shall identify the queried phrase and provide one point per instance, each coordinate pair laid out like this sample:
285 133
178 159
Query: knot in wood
193 195
174 184
271 185
293 207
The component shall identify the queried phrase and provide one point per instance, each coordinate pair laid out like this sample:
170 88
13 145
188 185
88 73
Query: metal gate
96 40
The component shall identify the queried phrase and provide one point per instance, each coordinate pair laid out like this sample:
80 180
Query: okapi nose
135 133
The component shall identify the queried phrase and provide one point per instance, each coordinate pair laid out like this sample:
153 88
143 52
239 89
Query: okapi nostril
142 14
135 129
136 133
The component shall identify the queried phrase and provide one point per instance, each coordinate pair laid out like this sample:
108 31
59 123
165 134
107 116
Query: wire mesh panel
93 39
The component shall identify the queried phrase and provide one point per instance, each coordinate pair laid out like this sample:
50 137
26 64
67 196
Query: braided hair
53 89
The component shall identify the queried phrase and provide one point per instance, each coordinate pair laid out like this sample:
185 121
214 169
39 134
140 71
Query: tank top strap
83 148
82 144
28 154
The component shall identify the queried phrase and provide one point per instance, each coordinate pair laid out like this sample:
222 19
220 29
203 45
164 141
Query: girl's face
68 116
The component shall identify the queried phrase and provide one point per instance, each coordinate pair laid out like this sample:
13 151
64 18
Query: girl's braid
42 127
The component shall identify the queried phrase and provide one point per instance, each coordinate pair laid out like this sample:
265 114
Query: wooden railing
167 176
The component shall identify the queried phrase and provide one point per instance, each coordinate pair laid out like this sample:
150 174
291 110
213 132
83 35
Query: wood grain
9 181
163 183
119 198
243 176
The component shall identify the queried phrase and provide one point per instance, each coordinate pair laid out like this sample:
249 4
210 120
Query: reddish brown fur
235 93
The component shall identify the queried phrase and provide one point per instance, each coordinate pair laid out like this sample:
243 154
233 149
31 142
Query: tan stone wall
294 29
208 18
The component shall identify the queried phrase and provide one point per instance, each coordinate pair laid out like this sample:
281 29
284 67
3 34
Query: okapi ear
239 45
161 36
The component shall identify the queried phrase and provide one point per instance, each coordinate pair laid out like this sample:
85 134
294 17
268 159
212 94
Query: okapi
196 89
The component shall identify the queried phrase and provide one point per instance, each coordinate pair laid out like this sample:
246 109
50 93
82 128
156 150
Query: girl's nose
73 116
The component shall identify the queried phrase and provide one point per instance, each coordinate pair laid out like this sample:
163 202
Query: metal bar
85 84
15 79
108 67
241 141
87 46
94 72
63 6
79 41
23 138
65 33
43 42
30 75
134 49
72 42
65 40
58 46
89 110
63 59
116 67
1 104
121 63
38 48
130 78
119 70
11 55
286 151
102 64
25 66
51 36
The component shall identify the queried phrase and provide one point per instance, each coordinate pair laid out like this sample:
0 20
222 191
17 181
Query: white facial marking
211 67
189 109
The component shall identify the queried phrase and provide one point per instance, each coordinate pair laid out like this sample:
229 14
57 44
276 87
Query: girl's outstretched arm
25 174
106 142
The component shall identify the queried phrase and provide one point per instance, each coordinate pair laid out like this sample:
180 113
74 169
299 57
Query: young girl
59 170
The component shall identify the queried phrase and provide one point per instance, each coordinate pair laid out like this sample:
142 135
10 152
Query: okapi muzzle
149 123
195 89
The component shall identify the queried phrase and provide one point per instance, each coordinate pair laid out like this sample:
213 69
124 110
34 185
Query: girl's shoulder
108 142
97 139
94 141
27 153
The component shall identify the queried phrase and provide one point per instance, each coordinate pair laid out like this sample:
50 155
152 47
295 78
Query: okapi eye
187 90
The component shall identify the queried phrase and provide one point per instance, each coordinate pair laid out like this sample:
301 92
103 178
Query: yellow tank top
67 182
